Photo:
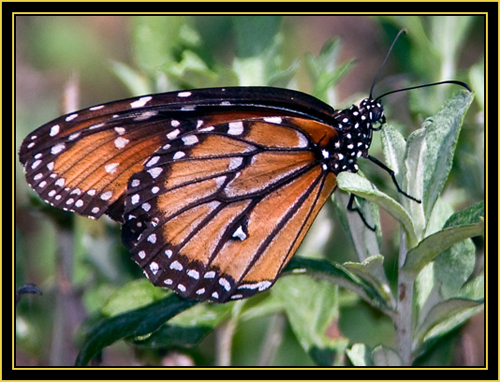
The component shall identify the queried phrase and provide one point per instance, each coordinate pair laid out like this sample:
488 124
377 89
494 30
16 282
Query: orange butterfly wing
214 190
217 213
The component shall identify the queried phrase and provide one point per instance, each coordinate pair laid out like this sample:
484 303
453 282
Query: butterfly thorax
355 126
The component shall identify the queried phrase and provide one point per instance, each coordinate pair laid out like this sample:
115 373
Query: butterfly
214 188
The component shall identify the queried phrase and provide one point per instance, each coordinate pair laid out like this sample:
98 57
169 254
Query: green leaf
313 320
137 323
446 276
441 137
470 225
267 68
394 146
366 242
448 34
135 82
470 215
384 356
188 328
192 71
153 40
131 296
337 274
360 355
372 270
476 75
443 318
359 186
325 72
416 152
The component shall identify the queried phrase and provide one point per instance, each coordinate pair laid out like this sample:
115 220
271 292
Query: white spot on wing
235 162
35 164
107 195
225 284
235 128
57 148
175 265
111 168
120 130
141 102
154 160
154 267
209 275
179 155
184 94
276 120
239 233
193 273
173 134
206 129
260 285
146 115
73 136
155 172
121 142
303 142
71 117
190 140
54 130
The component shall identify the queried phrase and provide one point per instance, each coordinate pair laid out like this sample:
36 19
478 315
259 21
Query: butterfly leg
352 207
393 177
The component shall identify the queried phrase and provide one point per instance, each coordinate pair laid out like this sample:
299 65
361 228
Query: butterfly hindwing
217 212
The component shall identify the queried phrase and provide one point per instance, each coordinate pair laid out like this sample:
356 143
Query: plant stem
403 320
404 314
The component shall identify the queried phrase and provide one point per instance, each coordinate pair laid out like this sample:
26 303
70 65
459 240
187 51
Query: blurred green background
78 263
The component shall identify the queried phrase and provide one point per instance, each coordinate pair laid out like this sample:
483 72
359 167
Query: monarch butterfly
214 188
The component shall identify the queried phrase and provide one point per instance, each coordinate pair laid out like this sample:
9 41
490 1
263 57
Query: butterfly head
372 112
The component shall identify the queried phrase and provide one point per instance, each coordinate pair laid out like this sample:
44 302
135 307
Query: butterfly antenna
385 60
463 84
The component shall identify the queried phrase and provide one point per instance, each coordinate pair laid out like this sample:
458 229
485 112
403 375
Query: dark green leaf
137 323
337 274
